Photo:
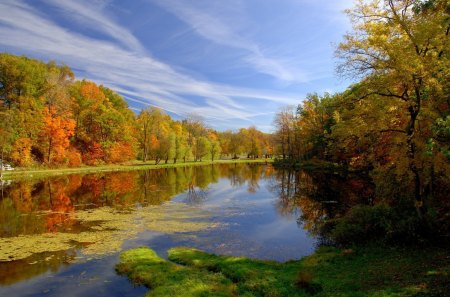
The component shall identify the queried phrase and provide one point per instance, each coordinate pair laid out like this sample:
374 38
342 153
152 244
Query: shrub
362 223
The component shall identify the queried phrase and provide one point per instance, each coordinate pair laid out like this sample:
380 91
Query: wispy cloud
122 63
91 14
214 21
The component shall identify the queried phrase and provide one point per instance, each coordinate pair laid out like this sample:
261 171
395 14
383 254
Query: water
62 236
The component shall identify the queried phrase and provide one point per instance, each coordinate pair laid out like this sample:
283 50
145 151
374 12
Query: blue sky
234 62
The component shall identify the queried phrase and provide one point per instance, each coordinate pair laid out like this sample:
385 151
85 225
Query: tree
195 127
144 123
55 135
284 122
401 50
215 147
181 146
102 119
203 147
21 152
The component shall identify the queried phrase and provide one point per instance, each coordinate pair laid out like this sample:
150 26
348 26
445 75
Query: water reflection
45 223
317 196
54 225
40 206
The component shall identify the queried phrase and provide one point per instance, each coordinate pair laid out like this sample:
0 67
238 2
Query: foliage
363 224
391 124
48 118
55 136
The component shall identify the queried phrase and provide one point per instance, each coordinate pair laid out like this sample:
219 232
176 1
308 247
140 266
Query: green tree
203 147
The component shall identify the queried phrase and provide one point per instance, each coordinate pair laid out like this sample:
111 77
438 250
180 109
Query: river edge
131 166
371 270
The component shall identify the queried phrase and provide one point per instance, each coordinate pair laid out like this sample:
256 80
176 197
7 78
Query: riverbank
361 271
135 165
314 164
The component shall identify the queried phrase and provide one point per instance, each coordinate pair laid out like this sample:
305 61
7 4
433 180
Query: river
62 236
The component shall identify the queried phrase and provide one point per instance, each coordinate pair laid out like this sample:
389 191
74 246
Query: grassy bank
363 271
313 164
135 165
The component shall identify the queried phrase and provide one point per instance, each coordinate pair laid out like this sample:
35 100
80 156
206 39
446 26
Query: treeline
394 124
49 118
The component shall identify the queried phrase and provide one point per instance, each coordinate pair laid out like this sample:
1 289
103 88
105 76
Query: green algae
112 229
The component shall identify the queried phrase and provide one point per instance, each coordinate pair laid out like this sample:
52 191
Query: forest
50 119
392 125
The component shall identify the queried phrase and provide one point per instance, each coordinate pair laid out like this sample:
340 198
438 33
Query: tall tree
55 135
401 50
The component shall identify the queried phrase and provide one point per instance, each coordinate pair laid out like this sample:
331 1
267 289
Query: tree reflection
50 205
317 196
16 271
40 206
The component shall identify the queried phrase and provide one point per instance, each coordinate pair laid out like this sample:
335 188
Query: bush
362 223
397 225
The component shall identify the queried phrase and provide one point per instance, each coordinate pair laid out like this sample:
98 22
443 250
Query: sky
233 62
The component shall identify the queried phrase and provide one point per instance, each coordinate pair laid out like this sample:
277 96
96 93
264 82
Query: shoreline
366 270
134 165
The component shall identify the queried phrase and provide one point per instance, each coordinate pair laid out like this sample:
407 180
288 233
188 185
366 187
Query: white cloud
213 21
92 16
127 69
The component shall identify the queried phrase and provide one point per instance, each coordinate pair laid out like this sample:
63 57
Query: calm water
62 236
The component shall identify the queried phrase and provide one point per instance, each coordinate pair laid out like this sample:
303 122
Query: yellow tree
401 50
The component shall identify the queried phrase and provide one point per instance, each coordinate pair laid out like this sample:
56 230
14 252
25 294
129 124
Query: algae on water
112 229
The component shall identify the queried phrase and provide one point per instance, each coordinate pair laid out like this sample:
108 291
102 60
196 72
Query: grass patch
144 267
363 271
133 165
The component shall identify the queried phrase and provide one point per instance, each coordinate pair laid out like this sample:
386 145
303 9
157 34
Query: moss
365 271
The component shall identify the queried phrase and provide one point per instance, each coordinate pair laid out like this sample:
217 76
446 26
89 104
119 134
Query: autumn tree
203 148
284 122
401 50
102 119
144 127
27 86
215 148
55 135
196 128
181 146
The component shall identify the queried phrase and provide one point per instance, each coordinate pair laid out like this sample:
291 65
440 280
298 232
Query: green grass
363 271
166 279
132 165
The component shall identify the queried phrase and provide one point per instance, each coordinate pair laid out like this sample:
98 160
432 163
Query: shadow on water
65 233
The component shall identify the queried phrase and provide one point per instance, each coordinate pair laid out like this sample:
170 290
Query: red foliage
94 154
120 152
55 135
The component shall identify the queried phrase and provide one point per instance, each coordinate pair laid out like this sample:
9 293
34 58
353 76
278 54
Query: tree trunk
410 131
49 150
